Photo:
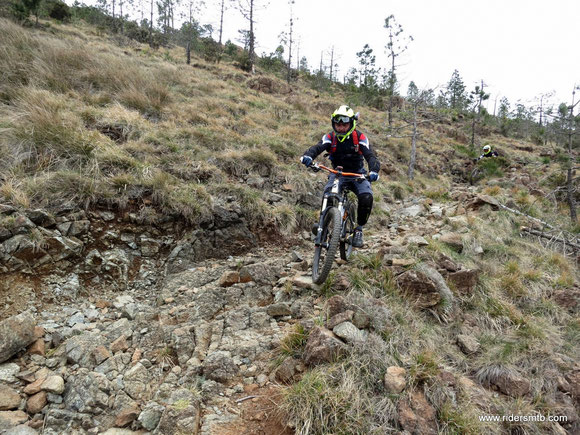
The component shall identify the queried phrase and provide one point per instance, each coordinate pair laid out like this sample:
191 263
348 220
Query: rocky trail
195 349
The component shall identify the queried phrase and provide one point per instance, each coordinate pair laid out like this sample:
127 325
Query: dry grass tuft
344 397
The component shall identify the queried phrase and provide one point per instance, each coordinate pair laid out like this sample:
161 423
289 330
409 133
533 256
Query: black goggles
341 119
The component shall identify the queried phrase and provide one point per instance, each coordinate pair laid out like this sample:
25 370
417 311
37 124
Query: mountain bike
475 175
477 172
336 225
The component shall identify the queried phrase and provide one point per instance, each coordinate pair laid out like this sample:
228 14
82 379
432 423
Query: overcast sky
520 49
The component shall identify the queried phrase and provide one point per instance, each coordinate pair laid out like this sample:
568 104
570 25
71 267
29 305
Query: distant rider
349 148
487 152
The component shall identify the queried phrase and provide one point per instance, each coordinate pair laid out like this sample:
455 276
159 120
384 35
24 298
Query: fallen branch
546 224
243 399
552 238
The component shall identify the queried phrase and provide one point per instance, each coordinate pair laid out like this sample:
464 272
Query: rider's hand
306 161
373 176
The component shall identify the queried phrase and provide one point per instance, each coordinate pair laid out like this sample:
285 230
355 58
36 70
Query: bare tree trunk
151 26
476 117
222 21
541 109
473 133
569 175
121 16
413 159
252 53
221 50
570 196
289 75
331 63
391 91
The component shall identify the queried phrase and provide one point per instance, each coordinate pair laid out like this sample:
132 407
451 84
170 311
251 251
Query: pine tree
368 71
455 95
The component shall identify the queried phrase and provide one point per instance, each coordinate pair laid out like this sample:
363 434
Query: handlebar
317 167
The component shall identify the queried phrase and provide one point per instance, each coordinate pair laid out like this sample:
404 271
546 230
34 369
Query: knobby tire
331 234
475 176
350 225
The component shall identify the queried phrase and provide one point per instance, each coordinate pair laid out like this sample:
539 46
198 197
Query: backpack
335 143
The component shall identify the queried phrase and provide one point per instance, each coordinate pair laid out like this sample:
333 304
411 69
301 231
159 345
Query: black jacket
345 154
489 154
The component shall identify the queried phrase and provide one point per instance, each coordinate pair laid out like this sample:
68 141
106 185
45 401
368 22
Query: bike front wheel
324 253
474 176
348 226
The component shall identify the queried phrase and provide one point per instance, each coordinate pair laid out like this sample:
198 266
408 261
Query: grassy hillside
88 121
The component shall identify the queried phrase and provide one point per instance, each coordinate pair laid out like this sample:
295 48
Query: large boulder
322 346
453 240
16 333
395 381
417 415
182 415
88 392
219 366
425 285
464 280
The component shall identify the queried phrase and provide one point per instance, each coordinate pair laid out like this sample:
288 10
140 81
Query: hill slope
152 219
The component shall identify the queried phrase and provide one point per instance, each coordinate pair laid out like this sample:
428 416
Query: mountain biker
487 152
349 148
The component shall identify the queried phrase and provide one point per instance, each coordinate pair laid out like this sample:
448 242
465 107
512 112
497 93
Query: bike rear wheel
348 226
325 253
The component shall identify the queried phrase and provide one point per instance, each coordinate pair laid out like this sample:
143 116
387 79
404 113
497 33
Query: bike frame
333 198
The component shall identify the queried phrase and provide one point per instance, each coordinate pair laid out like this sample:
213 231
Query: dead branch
545 224
551 237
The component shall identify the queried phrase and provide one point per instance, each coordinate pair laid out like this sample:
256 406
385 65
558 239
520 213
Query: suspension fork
337 201
326 205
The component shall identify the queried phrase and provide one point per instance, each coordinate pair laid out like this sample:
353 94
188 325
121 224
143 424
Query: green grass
292 344
458 419
424 367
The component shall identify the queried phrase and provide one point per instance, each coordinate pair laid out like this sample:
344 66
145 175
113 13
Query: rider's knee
365 200
365 205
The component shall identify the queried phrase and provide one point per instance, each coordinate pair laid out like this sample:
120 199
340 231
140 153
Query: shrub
59 11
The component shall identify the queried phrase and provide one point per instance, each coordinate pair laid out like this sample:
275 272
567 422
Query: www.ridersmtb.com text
524 418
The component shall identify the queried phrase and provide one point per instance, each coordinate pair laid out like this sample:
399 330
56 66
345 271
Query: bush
243 61
230 48
13 9
211 50
136 32
59 11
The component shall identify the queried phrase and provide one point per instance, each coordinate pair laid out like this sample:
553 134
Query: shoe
315 229
357 239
